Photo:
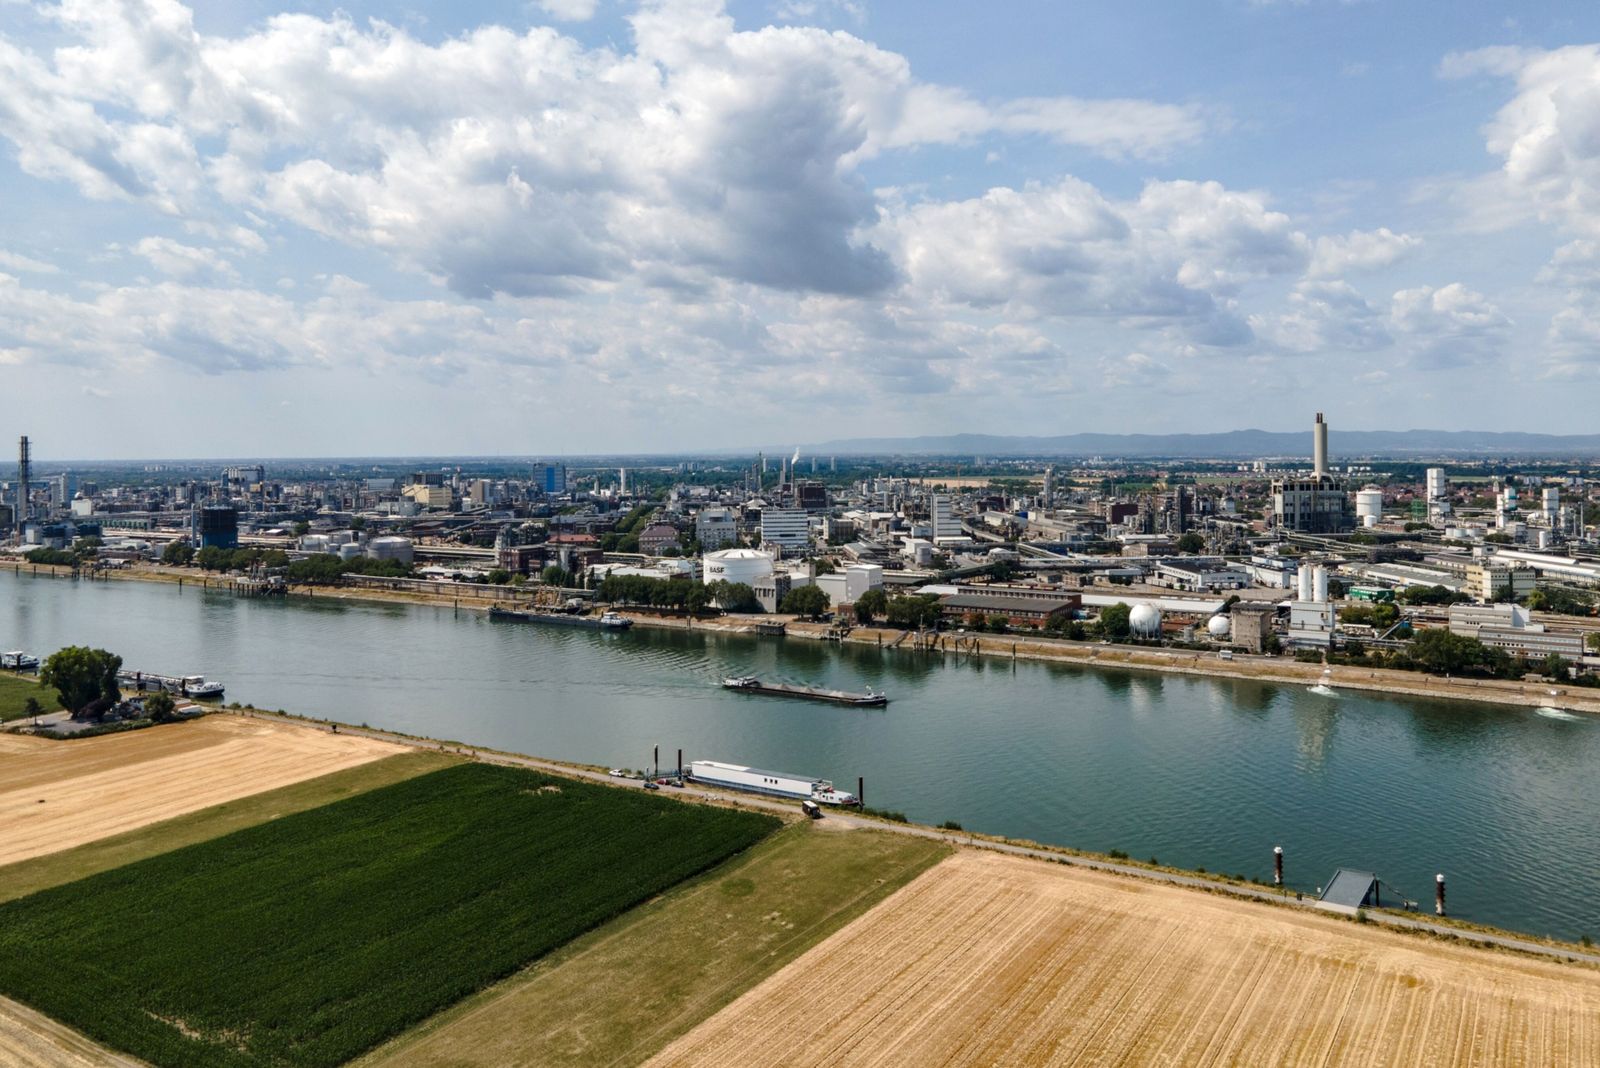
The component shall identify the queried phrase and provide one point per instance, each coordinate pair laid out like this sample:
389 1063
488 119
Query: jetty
750 684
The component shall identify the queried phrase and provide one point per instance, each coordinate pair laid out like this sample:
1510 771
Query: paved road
789 808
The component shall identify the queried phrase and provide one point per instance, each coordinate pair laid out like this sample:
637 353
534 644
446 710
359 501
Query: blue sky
586 225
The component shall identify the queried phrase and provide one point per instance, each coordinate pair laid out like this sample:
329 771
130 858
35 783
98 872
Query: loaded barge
607 621
771 783
751 684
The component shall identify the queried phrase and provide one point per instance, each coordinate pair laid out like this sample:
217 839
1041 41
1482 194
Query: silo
391 548
1552 505
1320 583
1304 581
1369 502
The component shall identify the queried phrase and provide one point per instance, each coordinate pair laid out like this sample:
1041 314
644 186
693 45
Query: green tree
556 575
1593 641
178 553
825 566
88 546
81 675
319 569
914 612
1114 620
1556 666
1441 652
805 601
1191 543
32 709
160 706
499 577
999 624
871 604
301 528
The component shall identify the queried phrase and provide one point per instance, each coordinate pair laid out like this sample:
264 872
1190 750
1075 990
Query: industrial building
973 608
1491 581
1314 504
716 528
217 527
1511 628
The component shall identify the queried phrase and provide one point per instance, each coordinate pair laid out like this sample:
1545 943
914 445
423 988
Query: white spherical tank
748 566
1369 501
1218 626
1145 621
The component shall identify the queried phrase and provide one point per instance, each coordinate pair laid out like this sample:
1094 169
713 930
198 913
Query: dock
809 693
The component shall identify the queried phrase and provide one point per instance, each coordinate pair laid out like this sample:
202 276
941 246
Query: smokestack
1319 447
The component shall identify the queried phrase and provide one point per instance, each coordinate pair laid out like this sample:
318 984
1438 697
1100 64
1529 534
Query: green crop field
310 939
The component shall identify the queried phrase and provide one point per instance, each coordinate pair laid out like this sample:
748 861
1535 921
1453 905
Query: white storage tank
1145 621
1369 502
391 548
1319 579
349 551
748 566
1218 626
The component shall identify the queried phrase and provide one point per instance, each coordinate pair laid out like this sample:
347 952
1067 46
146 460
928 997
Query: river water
1197 772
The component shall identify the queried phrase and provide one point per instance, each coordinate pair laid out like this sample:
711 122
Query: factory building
1511 627
942 509
716 528
1489 581
1317 504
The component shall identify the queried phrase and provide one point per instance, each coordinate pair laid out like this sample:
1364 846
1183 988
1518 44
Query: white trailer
772 783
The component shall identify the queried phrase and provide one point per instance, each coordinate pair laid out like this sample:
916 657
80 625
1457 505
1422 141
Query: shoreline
1248 667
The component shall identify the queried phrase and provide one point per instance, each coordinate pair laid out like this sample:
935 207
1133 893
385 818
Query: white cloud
1360 250
1324 317
182 261
570 10
15 261
1449 326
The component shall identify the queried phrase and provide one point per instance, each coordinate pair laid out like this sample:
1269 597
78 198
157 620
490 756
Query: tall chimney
1319 447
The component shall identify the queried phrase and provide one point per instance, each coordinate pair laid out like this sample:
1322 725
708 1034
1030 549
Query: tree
917 611
1441 652
32 709
556 575
1556 666
81 675
301 528
177 553
871 604
805 601
499 577
999 624
1593 641
160 706
1191 543
825 566
1114 620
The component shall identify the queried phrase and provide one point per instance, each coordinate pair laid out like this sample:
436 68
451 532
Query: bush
950 825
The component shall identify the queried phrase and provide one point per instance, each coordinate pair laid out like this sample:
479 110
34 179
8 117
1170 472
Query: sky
261 227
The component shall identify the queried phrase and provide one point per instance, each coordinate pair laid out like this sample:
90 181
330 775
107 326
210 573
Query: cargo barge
606 621
771 783
751 684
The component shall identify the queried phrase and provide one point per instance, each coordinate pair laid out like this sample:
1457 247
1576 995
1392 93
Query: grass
15 691
624 991
309 939
41 873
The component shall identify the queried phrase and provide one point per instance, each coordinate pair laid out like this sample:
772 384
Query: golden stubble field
58 794
994 960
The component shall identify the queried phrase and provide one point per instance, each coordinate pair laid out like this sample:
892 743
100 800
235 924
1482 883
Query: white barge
772 783
196 686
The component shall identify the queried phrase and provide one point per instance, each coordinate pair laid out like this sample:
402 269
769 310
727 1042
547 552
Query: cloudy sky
254 227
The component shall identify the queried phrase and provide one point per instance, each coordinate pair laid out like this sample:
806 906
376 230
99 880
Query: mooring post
1438 893
1277 866
680 765
861 791
656 759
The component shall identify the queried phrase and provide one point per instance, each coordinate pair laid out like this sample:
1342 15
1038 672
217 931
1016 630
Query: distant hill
1232 444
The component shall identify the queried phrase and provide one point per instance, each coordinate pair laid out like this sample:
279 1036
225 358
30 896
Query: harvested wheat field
31 1040
59 794
988 960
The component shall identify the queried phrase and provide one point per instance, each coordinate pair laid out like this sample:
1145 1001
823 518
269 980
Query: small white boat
17 660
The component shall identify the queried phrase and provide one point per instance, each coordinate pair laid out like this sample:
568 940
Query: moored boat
196 686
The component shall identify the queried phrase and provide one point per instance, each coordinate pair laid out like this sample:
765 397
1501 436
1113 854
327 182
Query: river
1197 772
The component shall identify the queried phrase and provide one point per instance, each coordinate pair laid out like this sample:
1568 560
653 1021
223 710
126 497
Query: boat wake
1323 691
1556 713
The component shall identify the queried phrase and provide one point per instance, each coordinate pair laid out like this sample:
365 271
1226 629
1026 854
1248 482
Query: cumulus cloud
15 261
524 163
570 10
1360 250
183 261
1325 316
1449 326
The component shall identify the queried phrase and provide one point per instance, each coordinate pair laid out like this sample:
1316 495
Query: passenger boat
17 660
195 686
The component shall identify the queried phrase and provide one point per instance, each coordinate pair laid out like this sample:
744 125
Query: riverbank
1268 669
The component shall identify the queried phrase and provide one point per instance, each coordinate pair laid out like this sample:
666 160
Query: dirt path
996 960
59 794
29 1040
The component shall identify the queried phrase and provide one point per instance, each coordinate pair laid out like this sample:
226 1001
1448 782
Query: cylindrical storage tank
1320 581
1303 580
1552 503
1145 621
391 548
1369 520
1369 502
748 566
1218 626
349 551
